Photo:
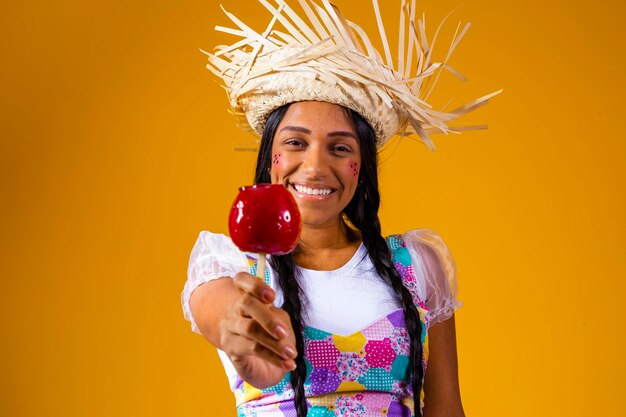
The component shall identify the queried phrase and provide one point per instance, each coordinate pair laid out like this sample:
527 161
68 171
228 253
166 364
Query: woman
319 145
345 324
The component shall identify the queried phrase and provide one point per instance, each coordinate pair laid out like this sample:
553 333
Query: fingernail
280 331
290 365
267 295
291 352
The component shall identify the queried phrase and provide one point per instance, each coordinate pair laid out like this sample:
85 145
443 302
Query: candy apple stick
260 266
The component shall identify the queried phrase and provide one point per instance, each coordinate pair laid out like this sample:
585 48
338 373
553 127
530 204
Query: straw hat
331 59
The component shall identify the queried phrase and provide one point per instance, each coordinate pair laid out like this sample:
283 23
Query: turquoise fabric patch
399 253
402 256
250 412
320 411
278 388
394 242
400 368
377 379
312 333
309 369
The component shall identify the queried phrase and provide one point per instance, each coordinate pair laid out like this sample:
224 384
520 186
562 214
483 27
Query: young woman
349 323
326 156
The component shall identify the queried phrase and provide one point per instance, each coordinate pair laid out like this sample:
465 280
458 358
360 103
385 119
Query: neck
329 236
321 243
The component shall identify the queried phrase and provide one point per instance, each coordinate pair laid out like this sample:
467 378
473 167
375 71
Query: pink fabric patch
374 401
378 330
379 353
322 354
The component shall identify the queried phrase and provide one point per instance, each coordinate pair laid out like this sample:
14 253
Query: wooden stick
260 266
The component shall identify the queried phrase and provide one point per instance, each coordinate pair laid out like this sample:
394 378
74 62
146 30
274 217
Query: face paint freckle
353 167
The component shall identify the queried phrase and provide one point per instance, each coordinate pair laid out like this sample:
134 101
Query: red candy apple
265 219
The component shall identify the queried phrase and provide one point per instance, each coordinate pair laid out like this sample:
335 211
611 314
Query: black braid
362 211
285 268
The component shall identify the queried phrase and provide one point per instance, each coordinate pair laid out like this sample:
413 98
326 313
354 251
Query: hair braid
286 270
363 213
381 258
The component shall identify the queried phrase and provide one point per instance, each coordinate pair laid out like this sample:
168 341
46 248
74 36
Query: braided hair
362 212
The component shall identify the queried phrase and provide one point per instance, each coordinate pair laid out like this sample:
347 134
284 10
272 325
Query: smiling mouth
303 189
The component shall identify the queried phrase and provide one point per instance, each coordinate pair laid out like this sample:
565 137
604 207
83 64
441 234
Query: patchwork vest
363 374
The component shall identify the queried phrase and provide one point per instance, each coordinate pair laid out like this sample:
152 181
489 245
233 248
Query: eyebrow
296 129
342 133
308 131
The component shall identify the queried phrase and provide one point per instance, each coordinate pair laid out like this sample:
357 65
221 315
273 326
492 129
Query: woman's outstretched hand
256 335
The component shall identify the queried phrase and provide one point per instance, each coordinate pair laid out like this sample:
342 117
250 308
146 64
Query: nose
315 164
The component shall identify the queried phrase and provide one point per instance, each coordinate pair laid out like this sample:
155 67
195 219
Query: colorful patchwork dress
363 373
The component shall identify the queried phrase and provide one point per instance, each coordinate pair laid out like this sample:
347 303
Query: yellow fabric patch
408 401
327 400
352 343
250 392
350 386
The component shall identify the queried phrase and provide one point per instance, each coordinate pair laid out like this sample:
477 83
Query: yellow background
116 150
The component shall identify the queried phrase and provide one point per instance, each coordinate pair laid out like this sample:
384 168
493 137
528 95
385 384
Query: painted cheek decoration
355 168
276 159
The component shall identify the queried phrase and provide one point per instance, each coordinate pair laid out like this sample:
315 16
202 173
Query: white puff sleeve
213 256
435 272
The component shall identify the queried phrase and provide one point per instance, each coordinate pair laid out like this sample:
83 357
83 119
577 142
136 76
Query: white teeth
311 191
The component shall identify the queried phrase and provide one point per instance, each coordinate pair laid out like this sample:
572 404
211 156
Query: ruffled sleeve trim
435 268
213 256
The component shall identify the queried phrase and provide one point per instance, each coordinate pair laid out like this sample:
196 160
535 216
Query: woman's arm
441 381
238 316
208 304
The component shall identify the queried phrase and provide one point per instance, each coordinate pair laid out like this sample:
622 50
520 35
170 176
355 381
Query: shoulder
425 245
206 238
433 267
214 251
433 253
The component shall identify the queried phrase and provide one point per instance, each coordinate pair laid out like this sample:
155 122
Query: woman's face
316 155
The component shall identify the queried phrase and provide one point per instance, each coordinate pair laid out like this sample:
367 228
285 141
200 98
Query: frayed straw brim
332 59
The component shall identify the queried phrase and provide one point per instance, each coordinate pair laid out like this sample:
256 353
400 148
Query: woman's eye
342 148
294 142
